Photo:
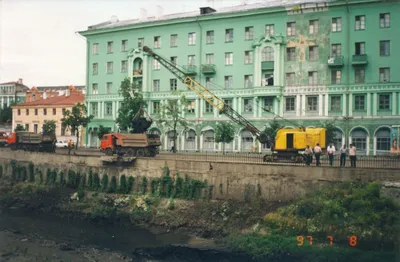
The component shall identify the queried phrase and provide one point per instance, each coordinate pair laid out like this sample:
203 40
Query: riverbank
262 230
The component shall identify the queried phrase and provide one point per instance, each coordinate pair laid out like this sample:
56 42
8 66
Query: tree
49 126
102 131
132 101
19 128
6 115
171 115
271 130
224 133
76 118
330 131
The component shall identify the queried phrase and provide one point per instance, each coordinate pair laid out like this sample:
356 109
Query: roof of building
54 101
224 10
13 83
43 88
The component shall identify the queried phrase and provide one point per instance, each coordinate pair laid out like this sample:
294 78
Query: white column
326 109
239 143
298 105
374 145
183 142
320 105
259 110
281 106
234 104
367 145
374 104
303 105
201 142
166 141
257 64
202 107
215 111
239 105
114 107
145 74
196 140
394 103
8 101
350 104
259 147
197 108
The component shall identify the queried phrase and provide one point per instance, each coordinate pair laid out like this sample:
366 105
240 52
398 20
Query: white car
61 144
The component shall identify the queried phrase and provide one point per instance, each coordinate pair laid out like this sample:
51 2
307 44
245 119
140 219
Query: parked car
62 144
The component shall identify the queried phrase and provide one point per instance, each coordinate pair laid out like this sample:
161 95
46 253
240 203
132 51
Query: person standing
353 157
317 152
343 152
307 155
69 146
331 153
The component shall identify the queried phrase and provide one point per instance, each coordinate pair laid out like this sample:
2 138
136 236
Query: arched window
208 140
247 140
359 140
190 140
382 141
267 54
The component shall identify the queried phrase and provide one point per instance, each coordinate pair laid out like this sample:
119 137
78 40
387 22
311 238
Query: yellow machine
296 139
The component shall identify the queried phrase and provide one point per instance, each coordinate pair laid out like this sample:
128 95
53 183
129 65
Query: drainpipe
200 60
347 74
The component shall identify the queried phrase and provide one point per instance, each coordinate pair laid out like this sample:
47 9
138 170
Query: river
33 236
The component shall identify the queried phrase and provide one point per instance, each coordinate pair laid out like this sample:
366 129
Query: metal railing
376 162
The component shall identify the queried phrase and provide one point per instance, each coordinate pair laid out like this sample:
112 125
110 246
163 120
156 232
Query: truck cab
108 144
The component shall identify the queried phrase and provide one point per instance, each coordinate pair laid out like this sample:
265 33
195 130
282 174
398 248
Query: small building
32 115
39 92
12 92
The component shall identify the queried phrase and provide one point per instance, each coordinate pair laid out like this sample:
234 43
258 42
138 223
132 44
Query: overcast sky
38 42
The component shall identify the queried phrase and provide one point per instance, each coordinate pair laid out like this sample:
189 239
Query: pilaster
303 105
374 104
344 105
369 104
320 104
350 104
326 108
394 103
255 106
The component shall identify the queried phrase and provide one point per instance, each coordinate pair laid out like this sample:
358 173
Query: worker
353 155
317 152
69 146
308 155
331 153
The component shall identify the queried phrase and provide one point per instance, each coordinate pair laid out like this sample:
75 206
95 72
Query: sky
38 39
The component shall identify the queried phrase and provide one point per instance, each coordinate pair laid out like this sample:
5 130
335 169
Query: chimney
44 95
143 14
20 81
159 11
67 92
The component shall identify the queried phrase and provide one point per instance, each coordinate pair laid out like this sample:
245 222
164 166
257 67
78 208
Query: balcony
267 65
189 69
208 69
335 61
137 73
359 60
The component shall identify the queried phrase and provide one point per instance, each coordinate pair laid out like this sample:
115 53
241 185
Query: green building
309 62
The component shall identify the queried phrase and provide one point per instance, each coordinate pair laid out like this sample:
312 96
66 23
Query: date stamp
301 239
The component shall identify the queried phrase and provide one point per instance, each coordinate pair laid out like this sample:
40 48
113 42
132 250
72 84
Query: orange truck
29 141
130 145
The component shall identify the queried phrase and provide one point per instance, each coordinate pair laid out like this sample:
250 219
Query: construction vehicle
129 145
3 139
125 145
287 143
29 141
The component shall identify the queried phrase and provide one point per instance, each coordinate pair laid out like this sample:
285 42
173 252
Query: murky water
134 243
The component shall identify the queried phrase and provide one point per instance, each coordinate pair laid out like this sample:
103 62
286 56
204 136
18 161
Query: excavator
288 143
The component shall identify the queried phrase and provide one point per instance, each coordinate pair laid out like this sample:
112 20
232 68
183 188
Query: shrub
104 183
178 187
24 175
71 179
31 168
77 180
123 187
61 181
96 182
90 180
48 177
1 171
131 181
144 185
113 185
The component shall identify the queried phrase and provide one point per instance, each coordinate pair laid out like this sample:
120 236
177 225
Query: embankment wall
229 180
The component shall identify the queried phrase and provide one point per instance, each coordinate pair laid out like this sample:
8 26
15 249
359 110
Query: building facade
12 92
306 63
32 115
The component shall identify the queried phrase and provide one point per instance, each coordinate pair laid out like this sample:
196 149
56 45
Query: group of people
331 151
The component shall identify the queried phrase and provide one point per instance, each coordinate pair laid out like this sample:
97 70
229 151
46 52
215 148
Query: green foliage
123 187
1 171
96 182
178 187
61 180
224 133
6 115
345 209
19 128
131 182
51 177
31 168
104 183
154 184
90 180
39 174
24 174
330 131
82 182
171 115
71 180
76 118
272 128
192 189
143 187
49 126
132 101
102 131
113 185
13 164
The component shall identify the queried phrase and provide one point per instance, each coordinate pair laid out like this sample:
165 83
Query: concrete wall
229 180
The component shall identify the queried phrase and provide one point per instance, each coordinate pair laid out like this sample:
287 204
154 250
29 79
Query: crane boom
207 95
